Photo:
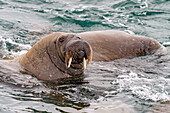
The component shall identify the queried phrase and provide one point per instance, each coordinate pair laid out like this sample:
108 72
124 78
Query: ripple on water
137 77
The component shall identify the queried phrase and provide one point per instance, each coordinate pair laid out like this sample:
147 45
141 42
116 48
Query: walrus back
112 44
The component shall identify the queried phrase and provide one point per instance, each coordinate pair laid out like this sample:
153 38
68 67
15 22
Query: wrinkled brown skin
112 44
106 45
37 62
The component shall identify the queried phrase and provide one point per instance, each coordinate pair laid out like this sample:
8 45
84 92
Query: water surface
126 85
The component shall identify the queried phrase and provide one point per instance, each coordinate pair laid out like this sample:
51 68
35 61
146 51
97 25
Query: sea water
140 85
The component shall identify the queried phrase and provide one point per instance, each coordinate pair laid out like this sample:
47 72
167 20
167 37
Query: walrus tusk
66 59
69 62
84 63
89 59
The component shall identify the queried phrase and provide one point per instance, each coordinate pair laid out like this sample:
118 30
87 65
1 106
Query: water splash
155 89
166 44
17 50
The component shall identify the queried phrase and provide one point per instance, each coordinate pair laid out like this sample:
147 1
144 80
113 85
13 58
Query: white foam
22 46
4 49
130 32
155 89
161 51
108 19
166 44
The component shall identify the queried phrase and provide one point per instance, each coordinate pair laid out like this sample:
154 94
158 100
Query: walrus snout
77 52
81 54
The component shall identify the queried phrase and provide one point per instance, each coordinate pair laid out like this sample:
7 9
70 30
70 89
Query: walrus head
74 53
58 56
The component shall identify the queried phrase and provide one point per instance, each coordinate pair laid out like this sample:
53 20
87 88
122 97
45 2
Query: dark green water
141 84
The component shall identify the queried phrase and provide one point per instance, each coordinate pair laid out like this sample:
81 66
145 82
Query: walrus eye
61 39
78 37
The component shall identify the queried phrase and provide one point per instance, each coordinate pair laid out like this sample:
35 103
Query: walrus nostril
81 54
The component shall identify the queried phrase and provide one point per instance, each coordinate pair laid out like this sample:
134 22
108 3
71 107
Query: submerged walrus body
63 55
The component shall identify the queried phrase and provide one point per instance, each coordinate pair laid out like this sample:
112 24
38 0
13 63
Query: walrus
62 55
